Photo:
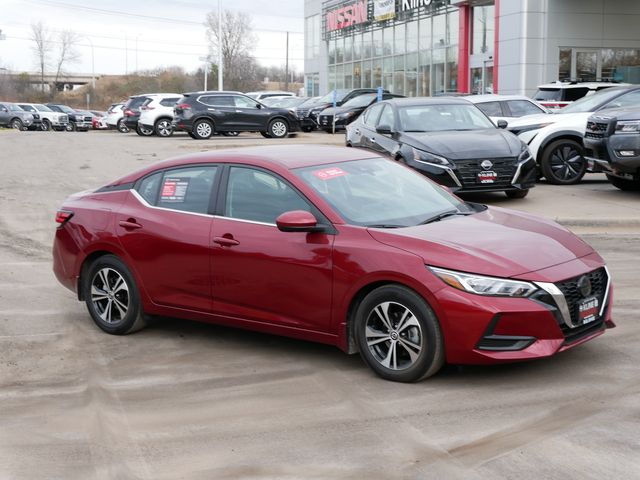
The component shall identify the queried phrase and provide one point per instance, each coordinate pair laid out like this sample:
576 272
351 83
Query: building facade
435 47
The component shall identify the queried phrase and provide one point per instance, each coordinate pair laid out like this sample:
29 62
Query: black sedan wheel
278 128
70 127
163 128
563 162
398 334
112 297
203 129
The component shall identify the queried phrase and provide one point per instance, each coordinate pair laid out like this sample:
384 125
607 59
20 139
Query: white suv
557 95
156 114
50 119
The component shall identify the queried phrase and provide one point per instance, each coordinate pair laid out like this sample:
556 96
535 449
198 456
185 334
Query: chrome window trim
245 220
148 205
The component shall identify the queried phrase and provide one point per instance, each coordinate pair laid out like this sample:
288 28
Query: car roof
428 101
492 97
213 92
581 84
276 157
156 95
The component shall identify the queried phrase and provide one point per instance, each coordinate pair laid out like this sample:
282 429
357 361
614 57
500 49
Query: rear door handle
225 241
373 140
357 131
130 224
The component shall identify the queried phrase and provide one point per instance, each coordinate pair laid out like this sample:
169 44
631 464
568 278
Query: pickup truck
78 121
612 140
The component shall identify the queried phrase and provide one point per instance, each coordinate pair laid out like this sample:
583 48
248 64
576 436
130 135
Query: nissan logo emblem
584 286
486 164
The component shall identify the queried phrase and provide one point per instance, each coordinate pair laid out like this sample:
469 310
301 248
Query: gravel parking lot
196 401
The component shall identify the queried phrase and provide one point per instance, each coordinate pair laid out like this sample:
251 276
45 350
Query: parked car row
50 116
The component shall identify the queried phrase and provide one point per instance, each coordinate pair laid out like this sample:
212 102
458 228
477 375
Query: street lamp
93 64
207 64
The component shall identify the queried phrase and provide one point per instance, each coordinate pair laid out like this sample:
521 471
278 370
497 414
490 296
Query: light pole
93 64
220 67
207 64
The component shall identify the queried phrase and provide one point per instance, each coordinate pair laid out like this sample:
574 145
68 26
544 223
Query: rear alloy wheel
17 124
398 334
112 297
164 128
278 128
46 125
265 134
203 129
563 162
624 184
517 193
144 131
122 127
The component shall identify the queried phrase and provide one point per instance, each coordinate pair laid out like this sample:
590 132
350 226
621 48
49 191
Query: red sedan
334 245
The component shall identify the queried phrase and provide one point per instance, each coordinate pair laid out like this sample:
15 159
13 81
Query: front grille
302 112
325 119
468 170
573 297
64 118
596 129
87 119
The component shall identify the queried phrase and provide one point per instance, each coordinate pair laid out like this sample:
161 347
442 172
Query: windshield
378 192
361 100
42 108
66 109
592 102
442 117
328 98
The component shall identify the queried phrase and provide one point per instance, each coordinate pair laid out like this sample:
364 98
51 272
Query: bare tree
67 53
42 39
235 41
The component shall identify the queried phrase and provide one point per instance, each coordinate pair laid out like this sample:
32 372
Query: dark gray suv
12 116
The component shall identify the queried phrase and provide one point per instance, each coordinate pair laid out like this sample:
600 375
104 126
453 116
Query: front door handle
226 241
357 131
129 224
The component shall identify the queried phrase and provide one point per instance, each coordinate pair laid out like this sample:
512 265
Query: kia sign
347 16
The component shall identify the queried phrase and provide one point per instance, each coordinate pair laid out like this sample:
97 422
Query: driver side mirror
258 106
298 221
3 109
502 124
384 129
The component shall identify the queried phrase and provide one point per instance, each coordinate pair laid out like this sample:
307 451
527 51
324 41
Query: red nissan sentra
335 245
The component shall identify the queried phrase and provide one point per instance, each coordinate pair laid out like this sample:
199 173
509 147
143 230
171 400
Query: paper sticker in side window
174 189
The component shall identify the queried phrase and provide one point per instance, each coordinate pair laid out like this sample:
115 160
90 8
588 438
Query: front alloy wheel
144 131
398 334
203 129
563 162
278 129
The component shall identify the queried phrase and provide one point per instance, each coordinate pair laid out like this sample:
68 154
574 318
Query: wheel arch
279 117
560 135
162 117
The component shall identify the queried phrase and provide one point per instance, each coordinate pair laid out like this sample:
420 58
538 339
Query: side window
217 100
28 108
520 108
372 114
573 94
491 109
169 102
386 117
259 196
243 102
185 189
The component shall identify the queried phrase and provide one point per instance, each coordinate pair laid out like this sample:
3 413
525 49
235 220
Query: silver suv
12 116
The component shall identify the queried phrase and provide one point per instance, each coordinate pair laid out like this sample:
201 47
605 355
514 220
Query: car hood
545 118
459 145
496 242
339 110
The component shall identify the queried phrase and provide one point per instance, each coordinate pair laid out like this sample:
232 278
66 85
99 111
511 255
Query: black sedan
349 111
448 140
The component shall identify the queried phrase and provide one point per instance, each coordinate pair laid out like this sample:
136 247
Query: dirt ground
195 401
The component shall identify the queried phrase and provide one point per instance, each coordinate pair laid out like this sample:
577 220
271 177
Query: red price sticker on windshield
329 173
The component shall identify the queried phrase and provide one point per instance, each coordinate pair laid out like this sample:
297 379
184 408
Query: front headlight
481 285
428 157
345 115
525 154
628 126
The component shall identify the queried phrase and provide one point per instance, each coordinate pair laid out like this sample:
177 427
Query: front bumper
82 125
606 154
490 330
462 176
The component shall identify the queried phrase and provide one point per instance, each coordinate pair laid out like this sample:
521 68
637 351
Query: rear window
169 102
217 100
548 94
491 109
520 108
573 94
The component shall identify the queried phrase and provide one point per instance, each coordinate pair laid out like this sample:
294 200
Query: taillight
183 106
129 113
63 216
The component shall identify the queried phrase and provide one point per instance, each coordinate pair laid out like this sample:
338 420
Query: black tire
265 134
46 125
144 132
278 128
71 127
517 193
191 134
202 129
163 127
122 127
563 162
101 299
624 184
230 134
405 364
17 124
307 129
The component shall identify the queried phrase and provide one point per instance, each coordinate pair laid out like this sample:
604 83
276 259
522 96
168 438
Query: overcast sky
179 41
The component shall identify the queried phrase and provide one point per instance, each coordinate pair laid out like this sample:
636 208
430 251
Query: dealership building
434 47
